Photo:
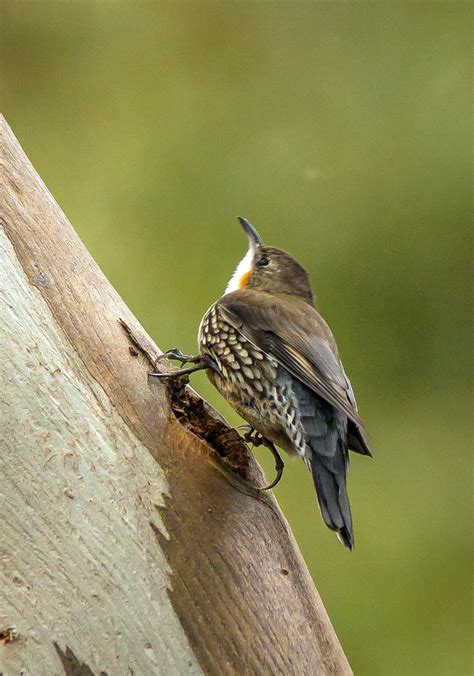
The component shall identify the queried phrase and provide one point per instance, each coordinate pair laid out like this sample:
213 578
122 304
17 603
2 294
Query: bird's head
266 268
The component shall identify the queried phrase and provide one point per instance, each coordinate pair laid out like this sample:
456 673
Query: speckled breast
250 380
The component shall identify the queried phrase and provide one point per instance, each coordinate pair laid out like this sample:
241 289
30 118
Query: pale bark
131 539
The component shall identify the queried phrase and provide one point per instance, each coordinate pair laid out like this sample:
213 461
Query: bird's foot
176 354
200 362
279 464
251 435
248 429
256 439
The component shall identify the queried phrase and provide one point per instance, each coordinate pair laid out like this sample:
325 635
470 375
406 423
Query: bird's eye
263 262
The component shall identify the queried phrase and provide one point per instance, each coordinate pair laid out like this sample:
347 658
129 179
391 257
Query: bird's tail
332 497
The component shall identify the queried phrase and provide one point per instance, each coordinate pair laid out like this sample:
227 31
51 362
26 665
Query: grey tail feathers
333 500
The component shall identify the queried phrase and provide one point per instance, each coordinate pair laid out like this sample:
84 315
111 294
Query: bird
272 356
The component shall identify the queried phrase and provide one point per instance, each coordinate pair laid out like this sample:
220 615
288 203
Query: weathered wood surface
128 544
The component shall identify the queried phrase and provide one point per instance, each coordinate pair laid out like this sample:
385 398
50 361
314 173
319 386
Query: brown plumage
277 364
274 359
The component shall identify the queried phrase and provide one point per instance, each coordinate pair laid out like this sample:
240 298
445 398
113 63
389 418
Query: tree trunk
131 539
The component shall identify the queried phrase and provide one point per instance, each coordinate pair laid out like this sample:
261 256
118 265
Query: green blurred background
343 131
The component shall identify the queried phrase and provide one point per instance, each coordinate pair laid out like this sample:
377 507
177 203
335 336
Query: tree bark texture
131 538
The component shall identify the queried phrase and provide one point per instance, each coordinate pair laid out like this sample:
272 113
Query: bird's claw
279 464
176 354
247 429
171 374
250 435
279 473
199 362
256 439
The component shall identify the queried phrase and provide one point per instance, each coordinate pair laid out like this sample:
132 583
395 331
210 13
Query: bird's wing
293 333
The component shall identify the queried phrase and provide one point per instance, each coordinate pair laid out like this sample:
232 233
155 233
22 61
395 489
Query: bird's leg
200 362
257 439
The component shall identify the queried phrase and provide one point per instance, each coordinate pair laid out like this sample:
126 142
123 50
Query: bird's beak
253 236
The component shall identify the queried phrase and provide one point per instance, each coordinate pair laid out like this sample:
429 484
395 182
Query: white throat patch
243 268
